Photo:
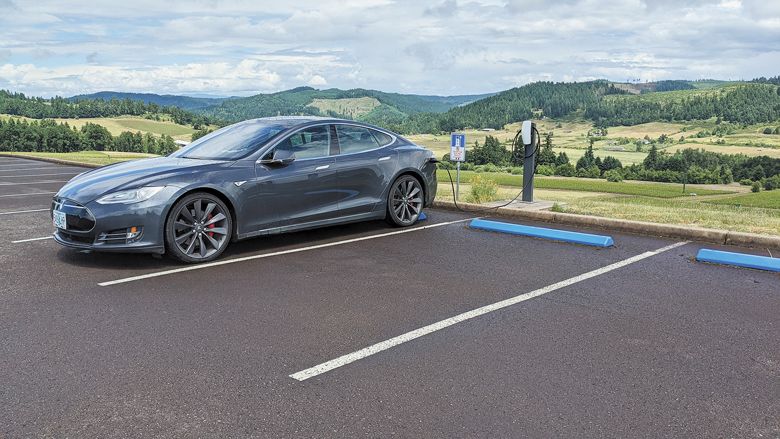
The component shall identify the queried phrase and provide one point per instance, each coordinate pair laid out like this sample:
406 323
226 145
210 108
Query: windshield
232 142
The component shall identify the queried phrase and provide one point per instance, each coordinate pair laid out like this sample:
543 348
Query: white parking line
32 239
23 211
24 195
34 182
19 163
37 168
425 330
39 175
279 253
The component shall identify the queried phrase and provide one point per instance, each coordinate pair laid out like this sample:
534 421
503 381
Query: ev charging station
529 137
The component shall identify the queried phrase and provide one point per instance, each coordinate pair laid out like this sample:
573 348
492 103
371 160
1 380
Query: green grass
681 211
765 200
87 157
648 189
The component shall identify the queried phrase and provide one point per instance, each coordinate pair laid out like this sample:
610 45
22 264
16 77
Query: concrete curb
637 227
53 160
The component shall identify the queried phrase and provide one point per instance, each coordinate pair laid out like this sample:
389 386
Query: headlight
130 196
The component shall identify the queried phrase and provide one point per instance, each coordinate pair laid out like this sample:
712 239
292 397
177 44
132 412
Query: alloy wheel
200 228
406 200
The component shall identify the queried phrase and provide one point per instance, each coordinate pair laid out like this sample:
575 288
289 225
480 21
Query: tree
96 137
547 155
652 160
492 151
588 160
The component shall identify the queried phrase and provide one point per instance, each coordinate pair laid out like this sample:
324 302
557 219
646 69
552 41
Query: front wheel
198 228
405 201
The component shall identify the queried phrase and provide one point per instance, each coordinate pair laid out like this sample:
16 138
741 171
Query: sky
444 47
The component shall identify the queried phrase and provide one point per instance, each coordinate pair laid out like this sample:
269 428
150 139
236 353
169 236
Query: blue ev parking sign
458 147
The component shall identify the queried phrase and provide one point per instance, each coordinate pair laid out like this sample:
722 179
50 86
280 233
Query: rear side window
382 138
355 139
309 143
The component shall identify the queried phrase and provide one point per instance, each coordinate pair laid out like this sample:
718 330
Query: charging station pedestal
529 160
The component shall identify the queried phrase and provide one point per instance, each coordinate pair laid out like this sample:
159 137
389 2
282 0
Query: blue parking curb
422 217
541 232
738 259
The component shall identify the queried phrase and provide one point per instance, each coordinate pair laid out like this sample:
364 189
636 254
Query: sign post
458 155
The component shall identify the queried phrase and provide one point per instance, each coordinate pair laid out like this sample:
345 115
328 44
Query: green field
88 157
681 211
649 189
116 125
570 135
765 199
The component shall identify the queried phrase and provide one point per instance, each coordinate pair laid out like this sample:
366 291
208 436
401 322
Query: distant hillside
183 102
610 104
343 103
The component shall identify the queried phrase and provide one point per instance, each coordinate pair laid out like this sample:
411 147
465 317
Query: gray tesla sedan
256 177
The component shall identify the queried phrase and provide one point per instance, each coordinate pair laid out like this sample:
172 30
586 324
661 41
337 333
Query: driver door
301 192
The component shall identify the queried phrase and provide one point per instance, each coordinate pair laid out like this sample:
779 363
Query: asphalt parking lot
637 340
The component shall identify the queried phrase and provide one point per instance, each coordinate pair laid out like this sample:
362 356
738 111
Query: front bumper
104 227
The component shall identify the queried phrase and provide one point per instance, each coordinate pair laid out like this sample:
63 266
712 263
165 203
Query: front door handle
320 168
381 159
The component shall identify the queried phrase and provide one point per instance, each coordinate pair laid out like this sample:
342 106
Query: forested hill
610 104
304 100
40 108
183 102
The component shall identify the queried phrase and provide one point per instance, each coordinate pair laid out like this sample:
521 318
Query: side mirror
280 157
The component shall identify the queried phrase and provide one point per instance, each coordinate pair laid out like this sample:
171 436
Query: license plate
59 219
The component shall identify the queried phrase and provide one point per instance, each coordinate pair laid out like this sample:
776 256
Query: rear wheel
405 201
198 228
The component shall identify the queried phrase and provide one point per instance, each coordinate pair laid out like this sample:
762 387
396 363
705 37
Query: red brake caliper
211 226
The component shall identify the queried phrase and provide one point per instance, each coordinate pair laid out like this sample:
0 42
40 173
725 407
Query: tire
198 228
405 201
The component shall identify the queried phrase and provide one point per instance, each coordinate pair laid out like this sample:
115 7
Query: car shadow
248 247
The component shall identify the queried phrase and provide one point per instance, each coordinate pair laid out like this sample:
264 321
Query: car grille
78 217
74 238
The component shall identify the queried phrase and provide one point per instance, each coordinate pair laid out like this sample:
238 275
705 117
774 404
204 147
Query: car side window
308 143
355 139
382 138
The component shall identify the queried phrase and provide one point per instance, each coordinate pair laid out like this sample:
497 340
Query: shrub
478 169
772 183
466 166
756 187
768 130
565 170
590 172
545 170
446 165
490 167
746 182
482 190
517 171
613 175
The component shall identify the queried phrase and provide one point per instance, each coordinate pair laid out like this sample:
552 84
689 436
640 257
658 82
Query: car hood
93 184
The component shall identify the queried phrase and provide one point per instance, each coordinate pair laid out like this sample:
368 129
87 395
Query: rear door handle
381 159
320 168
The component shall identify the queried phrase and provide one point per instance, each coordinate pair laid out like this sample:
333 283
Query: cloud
446 47
447 8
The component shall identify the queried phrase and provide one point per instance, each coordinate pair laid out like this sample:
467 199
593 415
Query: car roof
296 121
